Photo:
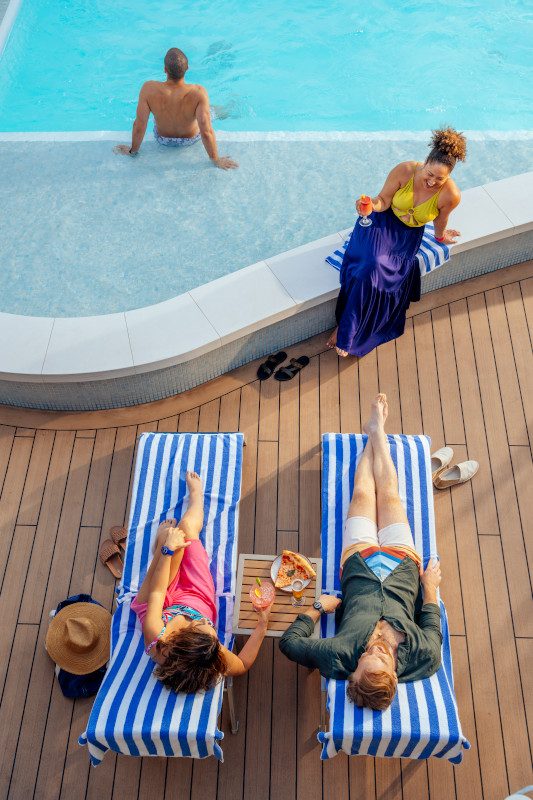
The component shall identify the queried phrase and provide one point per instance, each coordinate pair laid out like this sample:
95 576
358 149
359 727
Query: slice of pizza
304 565
292 567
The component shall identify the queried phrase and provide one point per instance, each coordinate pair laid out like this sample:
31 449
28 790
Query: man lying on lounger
386 633
181 112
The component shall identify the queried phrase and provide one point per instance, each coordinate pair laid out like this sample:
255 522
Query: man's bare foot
332 341
378 415
341 353
162 533
194 483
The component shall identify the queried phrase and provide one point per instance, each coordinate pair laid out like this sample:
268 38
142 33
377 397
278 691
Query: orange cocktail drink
365 209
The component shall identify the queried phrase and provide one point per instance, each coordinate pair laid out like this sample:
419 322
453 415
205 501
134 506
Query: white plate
274 569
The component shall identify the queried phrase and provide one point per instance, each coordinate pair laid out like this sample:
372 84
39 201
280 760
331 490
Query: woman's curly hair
194 661
447 147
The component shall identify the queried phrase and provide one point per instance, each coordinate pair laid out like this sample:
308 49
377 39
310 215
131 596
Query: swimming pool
72 65
87 232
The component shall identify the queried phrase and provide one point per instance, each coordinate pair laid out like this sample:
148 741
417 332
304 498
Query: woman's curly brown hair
447 147
194 662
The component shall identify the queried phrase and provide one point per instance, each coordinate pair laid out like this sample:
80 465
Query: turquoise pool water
276 64
87 232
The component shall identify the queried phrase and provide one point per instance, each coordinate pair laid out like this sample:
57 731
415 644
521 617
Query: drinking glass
365 203
263 595
297 588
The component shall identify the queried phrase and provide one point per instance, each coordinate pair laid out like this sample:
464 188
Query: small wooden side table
252 566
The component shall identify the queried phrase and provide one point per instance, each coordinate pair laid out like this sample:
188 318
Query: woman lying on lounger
384 634
178 590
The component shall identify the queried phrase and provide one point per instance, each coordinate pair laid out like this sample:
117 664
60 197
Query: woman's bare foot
341 353
332 341
378 415
162 532
194 483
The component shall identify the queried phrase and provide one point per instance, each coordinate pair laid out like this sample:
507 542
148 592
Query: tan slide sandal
440 460
119 534
460 473
110 556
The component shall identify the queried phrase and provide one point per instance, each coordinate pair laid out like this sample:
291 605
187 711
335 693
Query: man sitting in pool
181 112
386 633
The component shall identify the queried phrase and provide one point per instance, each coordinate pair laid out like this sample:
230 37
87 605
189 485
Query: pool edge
129 358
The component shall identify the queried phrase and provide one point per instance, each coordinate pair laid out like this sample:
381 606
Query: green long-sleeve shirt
366 600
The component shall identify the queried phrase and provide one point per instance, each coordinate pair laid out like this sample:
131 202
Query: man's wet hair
176 64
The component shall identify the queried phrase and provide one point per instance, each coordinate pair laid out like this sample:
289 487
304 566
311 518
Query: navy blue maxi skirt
380 277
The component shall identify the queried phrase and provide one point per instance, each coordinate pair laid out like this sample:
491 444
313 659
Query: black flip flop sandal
267 367
295 365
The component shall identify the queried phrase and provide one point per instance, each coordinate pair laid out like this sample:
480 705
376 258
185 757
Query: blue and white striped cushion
432 254
133 713
422 720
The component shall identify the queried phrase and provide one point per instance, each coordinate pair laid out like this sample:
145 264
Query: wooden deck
462 373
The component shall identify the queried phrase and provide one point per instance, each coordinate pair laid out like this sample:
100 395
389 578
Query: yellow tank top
402 205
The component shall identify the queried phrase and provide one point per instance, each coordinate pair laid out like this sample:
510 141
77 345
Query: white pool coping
271 136
77 349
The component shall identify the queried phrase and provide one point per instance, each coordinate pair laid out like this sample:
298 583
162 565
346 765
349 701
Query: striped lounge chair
133 713
422 720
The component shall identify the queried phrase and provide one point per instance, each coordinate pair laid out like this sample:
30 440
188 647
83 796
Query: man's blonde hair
373 690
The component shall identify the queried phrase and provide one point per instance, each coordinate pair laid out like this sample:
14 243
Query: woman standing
380 275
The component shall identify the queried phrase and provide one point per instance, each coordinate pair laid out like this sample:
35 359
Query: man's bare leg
363 502
390 509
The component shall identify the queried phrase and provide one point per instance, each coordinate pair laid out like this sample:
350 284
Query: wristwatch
319 607
166 551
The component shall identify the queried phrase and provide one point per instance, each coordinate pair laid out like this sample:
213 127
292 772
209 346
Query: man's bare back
174 107
181 112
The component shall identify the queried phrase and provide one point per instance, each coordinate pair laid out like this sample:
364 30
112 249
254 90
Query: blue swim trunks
172 141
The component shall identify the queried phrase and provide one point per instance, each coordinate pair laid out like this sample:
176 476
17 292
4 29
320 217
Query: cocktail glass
365 209
297 588
262 595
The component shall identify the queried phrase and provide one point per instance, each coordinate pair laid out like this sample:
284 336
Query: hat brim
58 649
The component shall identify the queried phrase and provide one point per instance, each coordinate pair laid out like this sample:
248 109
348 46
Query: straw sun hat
78 638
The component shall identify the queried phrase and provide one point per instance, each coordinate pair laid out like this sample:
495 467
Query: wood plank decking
462 373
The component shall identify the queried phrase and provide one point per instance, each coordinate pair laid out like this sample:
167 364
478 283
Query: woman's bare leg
390 509
332 341
162 533
191 524
192 521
